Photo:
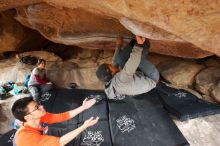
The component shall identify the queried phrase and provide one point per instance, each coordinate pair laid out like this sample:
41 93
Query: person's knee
34 92
46 87
36 96
156 76
49 86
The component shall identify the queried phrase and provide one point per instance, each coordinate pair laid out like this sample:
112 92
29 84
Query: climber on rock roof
130 72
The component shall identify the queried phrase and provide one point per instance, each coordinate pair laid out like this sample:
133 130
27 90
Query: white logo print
119 97
46 96
11 138
125 124
180 94
93 138
96 97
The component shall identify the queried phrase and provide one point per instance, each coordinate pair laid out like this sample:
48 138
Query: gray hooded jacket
129 81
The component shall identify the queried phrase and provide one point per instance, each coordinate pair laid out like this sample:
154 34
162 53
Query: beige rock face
72 26
213 62
6 117
49 57
207 79
148 31
177 49
15 37
208 98
10 4
196 22
13 70
181 26
157 59
216 92
179 73
84 77
80 69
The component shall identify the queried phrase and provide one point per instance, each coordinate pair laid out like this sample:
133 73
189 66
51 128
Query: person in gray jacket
38 82
130 72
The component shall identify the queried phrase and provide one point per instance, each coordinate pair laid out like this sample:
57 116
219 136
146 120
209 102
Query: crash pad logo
125 124
11 138
98 98
46 96
180 94
119 97
93 138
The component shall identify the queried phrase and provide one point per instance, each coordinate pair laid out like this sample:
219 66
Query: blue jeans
145 65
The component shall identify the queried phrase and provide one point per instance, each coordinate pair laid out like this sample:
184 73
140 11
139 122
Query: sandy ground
201 131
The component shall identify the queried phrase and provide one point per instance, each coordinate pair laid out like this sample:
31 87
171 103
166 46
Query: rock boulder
207 79
179 73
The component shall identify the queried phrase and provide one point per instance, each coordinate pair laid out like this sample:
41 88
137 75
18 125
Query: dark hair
41 61
19 108
103 73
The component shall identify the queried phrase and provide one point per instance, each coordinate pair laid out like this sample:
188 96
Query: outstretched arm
119 43
133 62
122 55
56 118
46 140
85 105
73 134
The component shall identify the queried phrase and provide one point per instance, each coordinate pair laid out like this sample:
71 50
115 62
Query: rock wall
16 37
188 29
194 21
80 68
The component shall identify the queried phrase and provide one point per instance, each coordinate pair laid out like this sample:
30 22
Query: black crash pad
7 138
153 125
184 105
132 123
97 135
47 100
62 100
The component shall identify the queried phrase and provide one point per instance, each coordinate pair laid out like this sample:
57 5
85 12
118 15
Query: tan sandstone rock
48 56
216 92
6 117
196 22
84 77
207 79
13 70
179 73
72 26
16 37
10 4
99 30
212 62
193 22
208 98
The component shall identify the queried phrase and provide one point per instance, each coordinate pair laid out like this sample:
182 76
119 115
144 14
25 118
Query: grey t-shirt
36 71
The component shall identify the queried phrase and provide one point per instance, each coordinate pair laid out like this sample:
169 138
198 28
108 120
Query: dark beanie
103 73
